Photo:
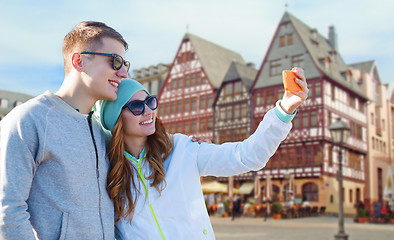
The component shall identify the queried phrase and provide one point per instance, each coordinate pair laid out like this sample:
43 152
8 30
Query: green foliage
366 212
276 207
226 206
361 213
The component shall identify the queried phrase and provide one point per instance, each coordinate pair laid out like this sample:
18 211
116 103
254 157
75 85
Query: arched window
310 192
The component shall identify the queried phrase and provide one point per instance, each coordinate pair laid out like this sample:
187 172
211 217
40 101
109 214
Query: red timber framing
186 99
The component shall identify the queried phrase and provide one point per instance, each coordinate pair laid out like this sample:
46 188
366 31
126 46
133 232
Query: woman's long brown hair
158 147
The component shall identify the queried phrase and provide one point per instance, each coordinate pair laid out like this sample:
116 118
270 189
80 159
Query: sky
32 32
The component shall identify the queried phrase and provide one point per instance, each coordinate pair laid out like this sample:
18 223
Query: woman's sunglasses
137 107
117 61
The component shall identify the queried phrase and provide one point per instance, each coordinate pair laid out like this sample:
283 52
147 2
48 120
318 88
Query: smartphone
289 81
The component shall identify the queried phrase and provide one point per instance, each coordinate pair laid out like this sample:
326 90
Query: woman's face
141 125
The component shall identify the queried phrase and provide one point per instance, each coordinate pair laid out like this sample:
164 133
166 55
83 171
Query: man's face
98 74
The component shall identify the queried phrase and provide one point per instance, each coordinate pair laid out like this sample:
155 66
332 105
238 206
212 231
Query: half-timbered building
234 104
196 74
308 155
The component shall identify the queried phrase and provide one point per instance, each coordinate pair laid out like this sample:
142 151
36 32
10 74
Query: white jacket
180 212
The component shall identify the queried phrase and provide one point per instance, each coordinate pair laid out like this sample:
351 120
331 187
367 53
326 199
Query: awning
246 188
216 187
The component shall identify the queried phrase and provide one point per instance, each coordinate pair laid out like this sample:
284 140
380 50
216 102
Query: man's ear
77 62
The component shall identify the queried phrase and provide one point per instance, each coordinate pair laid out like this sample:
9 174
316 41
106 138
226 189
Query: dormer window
4 103
286 40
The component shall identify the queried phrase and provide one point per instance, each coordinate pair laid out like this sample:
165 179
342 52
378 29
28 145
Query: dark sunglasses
137 107
117 61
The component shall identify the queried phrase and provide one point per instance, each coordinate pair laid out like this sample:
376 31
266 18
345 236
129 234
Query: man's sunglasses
137 107
117 61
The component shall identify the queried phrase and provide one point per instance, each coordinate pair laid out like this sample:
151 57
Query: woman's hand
292 100
200 139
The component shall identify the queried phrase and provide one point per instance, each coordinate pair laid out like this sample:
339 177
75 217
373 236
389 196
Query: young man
53 167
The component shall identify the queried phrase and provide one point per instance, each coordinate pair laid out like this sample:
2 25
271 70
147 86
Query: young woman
154 178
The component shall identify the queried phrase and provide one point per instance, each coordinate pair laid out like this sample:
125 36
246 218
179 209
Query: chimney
251 65
332 37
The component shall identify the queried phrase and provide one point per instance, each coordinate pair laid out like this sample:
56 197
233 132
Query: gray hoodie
52 178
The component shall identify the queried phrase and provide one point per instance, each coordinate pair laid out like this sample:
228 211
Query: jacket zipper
97 169
141 177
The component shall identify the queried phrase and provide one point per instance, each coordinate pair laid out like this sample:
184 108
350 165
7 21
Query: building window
187 81
380 184
194 104
161 110
330 156
244 110
297 61
4 103
317 89
192 80
237 111
296 122
222 113
180 83
352 102
179 106
310 192
318 155
210 124
354 160
179 127
228 89
275 67
187 127
237 88
229 112
167 109
305 120
259 99
187 105
290 39
332 93
313 119
209 101
299 156
270 97
202 102
203 125
194 126
282 40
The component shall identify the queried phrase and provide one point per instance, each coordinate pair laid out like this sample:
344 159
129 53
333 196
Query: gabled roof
310 38
241 71
214 59
318 48
365 67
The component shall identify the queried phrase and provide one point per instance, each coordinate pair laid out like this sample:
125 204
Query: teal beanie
110 110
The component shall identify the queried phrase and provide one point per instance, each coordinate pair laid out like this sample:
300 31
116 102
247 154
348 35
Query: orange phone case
289 81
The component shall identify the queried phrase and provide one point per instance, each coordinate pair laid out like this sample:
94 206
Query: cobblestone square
311 228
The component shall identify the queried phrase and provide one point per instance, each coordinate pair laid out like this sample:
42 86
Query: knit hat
110 110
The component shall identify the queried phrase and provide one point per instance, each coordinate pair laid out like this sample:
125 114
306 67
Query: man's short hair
87 36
